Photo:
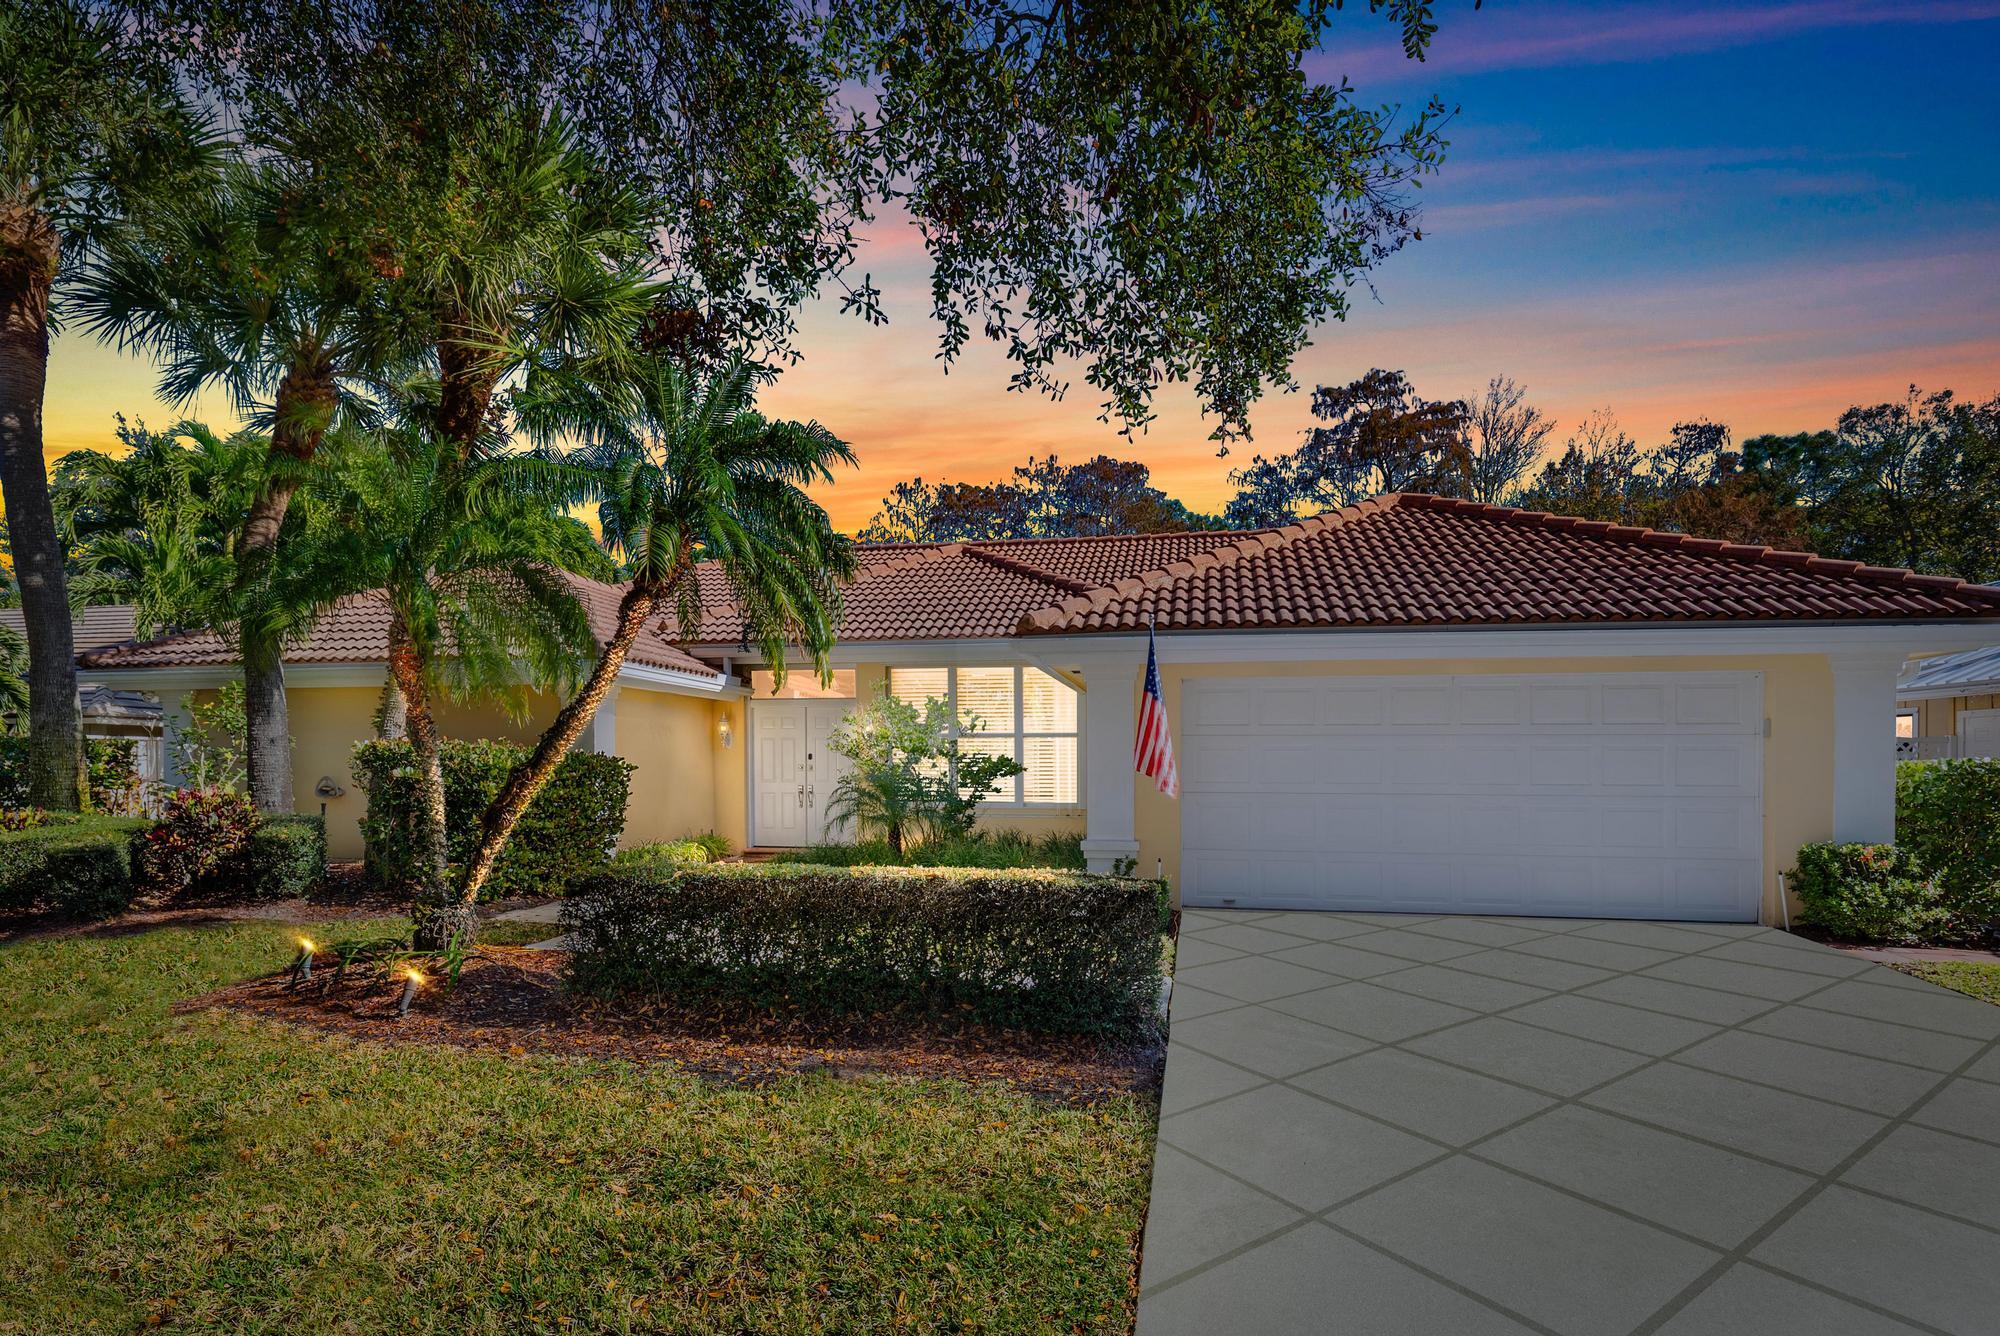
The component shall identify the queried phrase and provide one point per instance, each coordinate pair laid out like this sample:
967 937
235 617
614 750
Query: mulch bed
511 999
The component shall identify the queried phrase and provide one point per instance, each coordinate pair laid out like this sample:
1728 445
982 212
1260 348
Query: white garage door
1621 795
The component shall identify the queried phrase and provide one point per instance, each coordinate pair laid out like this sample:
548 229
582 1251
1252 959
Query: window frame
1018 733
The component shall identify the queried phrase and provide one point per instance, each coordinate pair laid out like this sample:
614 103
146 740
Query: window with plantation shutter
1020 712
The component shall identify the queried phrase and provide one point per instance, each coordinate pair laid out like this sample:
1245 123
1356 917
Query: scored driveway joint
1379 1123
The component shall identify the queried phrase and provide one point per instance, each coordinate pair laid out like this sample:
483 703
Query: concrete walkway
1453 1126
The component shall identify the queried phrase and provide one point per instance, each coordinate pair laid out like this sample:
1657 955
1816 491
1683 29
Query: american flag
1153 745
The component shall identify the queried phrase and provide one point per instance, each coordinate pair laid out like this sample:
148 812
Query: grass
1975 978
516 932
988 849
215 1173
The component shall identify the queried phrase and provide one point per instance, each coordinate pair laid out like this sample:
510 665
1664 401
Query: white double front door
793 771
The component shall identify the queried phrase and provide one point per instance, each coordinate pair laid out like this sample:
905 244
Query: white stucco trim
161 680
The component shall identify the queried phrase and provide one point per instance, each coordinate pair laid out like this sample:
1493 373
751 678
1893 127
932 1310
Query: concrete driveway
1452 1126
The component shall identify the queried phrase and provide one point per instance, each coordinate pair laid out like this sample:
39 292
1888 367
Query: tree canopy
1134 194
1045 498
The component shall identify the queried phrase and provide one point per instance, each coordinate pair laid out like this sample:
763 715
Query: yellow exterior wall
326 723
1798 754
668 739
1939 718
729 771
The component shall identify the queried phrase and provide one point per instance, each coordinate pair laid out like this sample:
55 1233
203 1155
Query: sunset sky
1755 212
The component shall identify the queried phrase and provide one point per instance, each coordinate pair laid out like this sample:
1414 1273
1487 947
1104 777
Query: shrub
198 831
111 764
568 831
715 844
1948 817
665 854
908 775
987 849
1040 950
1870 893
81 866
284 858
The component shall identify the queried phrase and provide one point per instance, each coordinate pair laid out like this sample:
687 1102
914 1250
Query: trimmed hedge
982 848
1038 950
283 859
79 865
568 832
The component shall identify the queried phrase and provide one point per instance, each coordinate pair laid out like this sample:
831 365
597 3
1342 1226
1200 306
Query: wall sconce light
728 733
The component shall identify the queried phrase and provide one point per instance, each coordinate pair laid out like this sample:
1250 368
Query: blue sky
1757 212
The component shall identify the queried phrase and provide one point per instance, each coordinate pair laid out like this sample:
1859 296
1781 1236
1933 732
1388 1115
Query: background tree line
1913 483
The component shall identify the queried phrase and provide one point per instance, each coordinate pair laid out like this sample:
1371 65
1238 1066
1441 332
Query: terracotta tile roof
356 630
1414 560
924 591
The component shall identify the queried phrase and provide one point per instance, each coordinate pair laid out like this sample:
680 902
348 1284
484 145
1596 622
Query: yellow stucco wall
1939 718
668 739
1798 755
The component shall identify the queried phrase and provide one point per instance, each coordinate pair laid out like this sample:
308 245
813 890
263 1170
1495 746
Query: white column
175 720
600 735
1110 714
1864 746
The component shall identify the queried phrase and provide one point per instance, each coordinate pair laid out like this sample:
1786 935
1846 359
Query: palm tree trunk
303 410
440 916
29 252
392 716
528 778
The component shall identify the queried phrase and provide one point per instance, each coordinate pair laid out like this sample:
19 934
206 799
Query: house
109 712
1413 703
1949 705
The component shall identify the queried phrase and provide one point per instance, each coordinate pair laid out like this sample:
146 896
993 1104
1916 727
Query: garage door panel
1715 763
1638 705
1634 795
1631 765
1631 828
1481 705
1555 706
1420 705
1573 766
1353 707
1489 824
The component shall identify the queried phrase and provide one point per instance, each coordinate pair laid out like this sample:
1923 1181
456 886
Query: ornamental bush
111 764
1948 818
199 832
283 859
567 832
79 865
1871 893
1034 949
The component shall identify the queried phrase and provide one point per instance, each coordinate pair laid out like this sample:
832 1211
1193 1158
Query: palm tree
469 558
688 473
253 284
159 526
527 257
90 128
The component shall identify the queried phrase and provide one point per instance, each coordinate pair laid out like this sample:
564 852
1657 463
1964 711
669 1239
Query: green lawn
1973 977
219 1174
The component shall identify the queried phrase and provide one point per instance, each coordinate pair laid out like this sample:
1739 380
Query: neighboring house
109 713
1949 705
1410 704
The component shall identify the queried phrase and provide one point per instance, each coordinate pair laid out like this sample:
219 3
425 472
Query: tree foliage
1914 482
1044 499
1380 436
1152 194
